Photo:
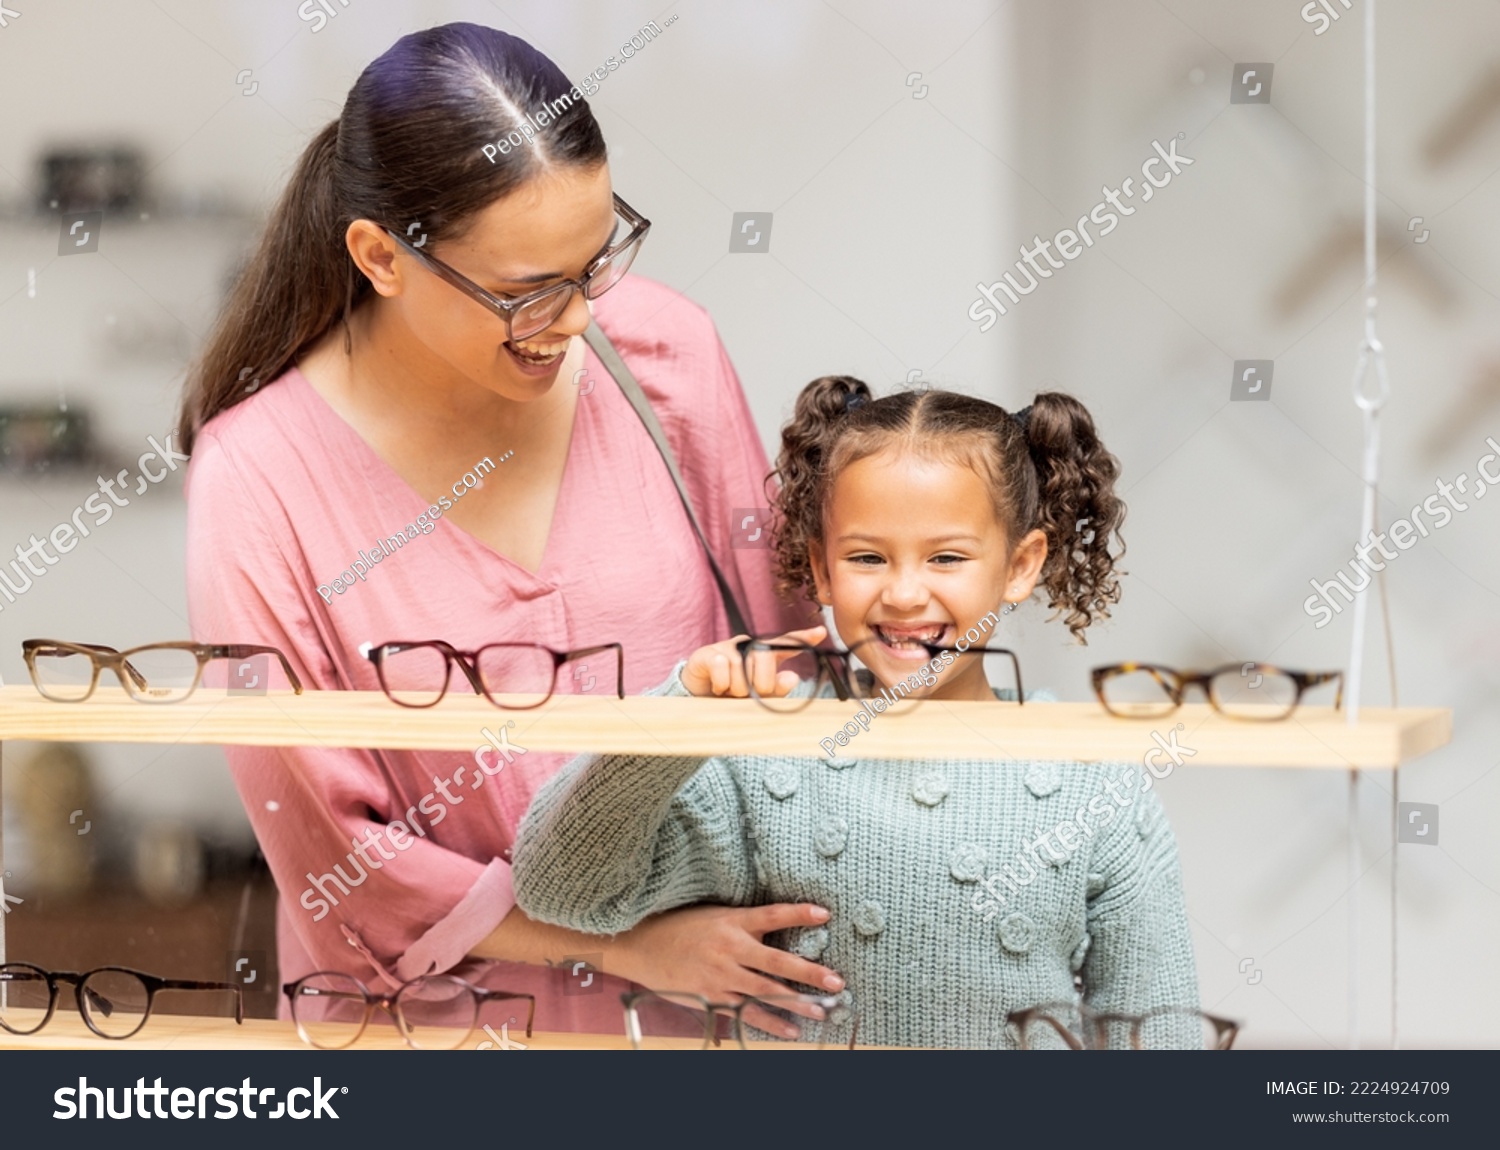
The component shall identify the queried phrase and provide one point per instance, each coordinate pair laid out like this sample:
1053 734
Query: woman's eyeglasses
515 676
115 1001
534 312
1072 1026
835 667
668 1020
155 673
437 1012
1254 691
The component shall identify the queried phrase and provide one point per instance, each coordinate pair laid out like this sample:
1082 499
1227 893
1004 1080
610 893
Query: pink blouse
283 496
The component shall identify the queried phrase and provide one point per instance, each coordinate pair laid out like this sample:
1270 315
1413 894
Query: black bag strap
596 339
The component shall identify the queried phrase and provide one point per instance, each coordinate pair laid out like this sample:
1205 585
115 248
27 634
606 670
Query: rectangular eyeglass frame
134 683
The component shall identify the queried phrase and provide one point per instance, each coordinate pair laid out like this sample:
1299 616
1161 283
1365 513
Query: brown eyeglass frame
153 984
131 679
1096 1024
506 309
1304 680
391 1004
468 662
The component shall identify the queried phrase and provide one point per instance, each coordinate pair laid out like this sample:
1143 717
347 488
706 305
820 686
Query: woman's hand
718 669
717 952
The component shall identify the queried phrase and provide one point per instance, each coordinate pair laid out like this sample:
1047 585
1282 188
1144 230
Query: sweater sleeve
612 839
1140 955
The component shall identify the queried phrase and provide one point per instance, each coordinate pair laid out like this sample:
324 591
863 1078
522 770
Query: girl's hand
717 952
719 670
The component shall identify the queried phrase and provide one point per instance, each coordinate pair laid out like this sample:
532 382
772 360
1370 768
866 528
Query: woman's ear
818 561
374 253
1025 566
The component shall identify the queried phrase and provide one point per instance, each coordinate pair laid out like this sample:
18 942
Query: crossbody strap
596 339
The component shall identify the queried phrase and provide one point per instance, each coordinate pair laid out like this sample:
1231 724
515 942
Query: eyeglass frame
387 1002
107 658
712 1011
1225 1029
841 678
1303 680
640 226
468 663
153 983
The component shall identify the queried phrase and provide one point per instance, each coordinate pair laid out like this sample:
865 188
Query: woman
351 387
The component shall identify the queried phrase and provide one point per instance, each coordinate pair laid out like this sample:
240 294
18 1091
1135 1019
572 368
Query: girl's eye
865 560
949 560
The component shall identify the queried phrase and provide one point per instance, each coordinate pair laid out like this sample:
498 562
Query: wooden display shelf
1317 737
67 1031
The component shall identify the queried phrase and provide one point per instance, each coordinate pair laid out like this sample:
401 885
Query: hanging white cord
1371 359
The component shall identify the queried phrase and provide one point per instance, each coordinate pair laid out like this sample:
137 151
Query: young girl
958 890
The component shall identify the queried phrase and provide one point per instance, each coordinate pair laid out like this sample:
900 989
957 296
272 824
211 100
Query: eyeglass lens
24 997
115 1002
538 315
169 674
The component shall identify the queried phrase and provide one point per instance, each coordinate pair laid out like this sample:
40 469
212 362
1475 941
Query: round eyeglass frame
391 1004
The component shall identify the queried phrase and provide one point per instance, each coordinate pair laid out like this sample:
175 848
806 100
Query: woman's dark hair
1054 475
408 147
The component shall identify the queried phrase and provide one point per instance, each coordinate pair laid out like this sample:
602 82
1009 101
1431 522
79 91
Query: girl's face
547 230
913 550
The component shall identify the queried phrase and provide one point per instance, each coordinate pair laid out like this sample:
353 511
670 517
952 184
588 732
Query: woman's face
913 550
547 230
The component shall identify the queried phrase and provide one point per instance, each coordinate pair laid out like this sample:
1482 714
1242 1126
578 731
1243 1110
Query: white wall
888 209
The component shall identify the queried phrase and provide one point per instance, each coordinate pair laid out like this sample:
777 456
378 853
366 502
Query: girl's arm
1141 953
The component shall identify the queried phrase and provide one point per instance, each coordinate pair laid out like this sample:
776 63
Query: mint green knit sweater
957 891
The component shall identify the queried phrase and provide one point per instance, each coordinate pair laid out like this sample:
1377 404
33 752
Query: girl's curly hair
1045 467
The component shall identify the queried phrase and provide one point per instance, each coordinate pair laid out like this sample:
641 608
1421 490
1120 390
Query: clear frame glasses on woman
513 676
437 1012
114 1001
824 665
1258 692
1073 1026
155 673
526 315
669 1020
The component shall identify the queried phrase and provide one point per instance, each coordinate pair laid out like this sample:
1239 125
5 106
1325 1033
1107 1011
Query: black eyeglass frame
390 1003
1175 683
154 985
506 309
842 677
134 683
1096 1024
713 1011
468 662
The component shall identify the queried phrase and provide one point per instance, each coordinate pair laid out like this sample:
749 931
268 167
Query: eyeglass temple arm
498 995
189 984
619 661
245 650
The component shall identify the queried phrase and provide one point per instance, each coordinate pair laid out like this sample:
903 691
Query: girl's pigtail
822 407
1077 509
